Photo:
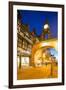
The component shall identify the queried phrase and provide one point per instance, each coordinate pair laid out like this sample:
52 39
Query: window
25 61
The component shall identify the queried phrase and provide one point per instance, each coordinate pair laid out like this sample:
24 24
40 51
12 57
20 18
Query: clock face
46 26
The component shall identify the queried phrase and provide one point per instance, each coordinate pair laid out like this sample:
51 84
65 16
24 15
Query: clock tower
46 30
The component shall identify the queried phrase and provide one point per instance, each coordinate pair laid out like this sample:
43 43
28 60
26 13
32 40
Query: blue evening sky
54 52
36 19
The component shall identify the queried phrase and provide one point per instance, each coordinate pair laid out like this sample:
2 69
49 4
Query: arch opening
45 55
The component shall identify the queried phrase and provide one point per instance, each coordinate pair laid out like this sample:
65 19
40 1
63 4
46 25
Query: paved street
37 72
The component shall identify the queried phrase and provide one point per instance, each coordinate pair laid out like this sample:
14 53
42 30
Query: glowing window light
25 61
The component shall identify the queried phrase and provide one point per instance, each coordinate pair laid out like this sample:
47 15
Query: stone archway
37 48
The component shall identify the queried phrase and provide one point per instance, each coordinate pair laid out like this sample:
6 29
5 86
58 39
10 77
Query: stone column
20 62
